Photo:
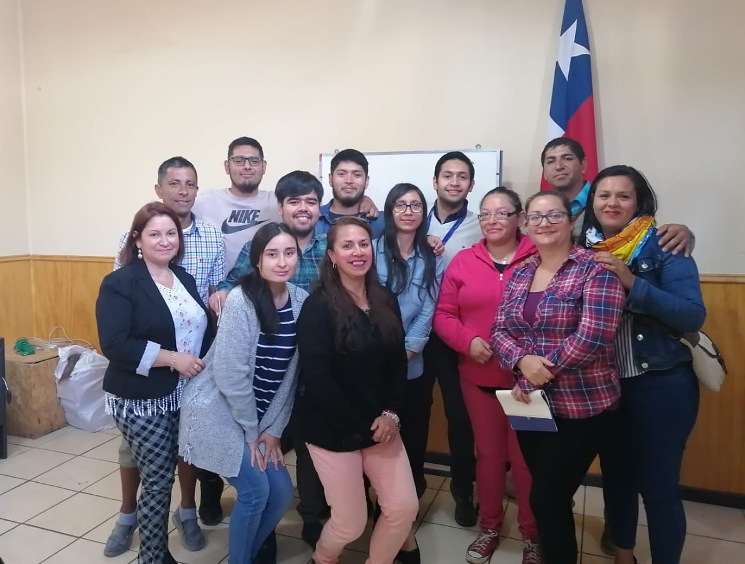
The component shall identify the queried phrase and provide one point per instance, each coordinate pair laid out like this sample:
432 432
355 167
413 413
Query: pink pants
387 467
496 443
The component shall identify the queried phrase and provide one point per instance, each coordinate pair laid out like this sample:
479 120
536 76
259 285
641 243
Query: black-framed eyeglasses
240 161
415 207
554 217
501 214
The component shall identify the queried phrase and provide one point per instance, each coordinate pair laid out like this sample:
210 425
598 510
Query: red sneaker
483 547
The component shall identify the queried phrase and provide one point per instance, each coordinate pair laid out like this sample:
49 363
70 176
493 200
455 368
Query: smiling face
159 241
408 220
453 183
348 183
352 251
614 204
546 234
301 213
178 189
279 260
499 231
245 177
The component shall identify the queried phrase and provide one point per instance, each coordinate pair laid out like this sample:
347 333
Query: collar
579 203
195 226
316 240
461 213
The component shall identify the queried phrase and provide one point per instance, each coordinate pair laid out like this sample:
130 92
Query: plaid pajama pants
153 439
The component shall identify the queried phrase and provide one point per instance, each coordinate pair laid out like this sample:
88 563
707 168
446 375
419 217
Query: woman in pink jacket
469 298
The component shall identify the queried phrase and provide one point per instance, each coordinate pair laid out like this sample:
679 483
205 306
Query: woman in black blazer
153 328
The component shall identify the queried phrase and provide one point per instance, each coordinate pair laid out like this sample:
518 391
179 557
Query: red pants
496 444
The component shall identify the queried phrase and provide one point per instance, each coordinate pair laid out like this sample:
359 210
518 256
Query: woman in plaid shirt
555 330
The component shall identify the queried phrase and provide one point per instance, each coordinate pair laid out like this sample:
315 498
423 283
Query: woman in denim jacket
660 395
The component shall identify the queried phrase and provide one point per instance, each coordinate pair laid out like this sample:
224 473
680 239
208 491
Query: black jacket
131 311
341 393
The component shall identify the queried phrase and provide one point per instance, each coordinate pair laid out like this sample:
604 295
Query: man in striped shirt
204 259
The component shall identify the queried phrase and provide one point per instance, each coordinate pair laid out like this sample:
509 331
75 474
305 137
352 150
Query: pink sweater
467 306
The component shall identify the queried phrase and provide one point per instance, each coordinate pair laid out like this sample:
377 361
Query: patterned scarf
626 244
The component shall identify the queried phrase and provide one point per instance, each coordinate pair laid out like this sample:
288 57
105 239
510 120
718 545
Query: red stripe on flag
581 127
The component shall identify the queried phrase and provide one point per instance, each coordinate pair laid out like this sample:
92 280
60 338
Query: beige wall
13 193
113 88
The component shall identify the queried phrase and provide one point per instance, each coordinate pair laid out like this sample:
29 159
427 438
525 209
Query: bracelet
392 415
173 361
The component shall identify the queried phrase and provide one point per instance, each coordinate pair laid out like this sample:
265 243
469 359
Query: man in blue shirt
348 180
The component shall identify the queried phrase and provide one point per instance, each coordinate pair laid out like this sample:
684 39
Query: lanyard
452 229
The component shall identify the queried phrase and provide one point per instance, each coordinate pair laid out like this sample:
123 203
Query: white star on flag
569 49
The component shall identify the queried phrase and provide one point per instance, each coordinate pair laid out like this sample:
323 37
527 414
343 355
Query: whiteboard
418 168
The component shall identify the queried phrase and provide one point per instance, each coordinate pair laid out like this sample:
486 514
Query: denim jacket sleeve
667 287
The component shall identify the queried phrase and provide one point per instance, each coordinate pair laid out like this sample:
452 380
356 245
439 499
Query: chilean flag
572 111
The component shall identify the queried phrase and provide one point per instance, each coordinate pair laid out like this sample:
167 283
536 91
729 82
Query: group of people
332 324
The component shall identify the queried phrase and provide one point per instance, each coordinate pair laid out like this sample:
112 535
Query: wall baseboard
699 495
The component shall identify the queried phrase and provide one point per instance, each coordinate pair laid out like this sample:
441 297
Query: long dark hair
140 221
254 287
398 268
343 309
646 199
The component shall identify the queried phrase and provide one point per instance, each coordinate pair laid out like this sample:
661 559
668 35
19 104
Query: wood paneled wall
715 455
38 293
16 298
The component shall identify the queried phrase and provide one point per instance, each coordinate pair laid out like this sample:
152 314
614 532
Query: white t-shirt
236 217
465 236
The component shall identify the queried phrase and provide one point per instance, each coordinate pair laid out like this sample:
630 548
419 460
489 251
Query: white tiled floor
59 496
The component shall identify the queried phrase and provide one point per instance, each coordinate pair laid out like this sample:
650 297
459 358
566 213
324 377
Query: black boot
311 533
409 556
210 510
268 552
465 511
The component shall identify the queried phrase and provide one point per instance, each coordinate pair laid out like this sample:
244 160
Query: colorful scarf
626 244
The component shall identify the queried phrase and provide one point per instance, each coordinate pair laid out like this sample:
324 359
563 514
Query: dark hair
398 268
343 309
646 199
254 287
140 221
174 162
573 145
298 183
245 141
454 156
511 195
349 155
556 194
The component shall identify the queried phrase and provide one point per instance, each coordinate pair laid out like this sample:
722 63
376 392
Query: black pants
441 364
415 428
558 463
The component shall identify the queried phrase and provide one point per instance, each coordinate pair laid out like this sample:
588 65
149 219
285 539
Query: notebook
535 416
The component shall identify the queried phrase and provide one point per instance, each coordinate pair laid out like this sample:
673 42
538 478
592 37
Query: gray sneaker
119 540
192 538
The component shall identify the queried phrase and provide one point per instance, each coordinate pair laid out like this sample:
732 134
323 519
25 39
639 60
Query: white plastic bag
79 376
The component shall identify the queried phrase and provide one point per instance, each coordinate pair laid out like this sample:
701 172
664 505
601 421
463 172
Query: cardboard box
35 409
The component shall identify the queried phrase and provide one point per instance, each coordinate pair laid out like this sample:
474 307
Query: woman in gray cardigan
233 414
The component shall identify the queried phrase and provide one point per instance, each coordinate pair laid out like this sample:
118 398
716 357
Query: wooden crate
35 409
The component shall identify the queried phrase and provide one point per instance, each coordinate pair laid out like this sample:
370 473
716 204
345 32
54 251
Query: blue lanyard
449 234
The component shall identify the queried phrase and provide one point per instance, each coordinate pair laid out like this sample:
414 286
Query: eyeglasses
415 207
554 217
501 214
240 161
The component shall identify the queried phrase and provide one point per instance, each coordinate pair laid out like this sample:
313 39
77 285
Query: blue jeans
263 498
658 411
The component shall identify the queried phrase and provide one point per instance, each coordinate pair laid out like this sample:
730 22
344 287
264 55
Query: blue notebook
535 416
